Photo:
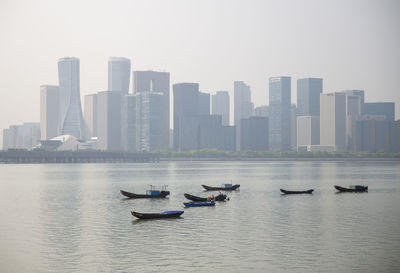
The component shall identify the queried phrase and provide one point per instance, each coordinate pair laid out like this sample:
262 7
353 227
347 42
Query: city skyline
351 45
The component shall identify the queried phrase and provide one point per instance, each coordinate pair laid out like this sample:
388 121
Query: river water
72 218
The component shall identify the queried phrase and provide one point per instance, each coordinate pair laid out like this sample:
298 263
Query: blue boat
200 204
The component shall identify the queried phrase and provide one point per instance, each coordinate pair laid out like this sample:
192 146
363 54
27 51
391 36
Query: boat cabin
156 189
226 186
356 187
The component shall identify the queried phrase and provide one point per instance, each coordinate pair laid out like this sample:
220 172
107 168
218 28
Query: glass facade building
308 91
279 113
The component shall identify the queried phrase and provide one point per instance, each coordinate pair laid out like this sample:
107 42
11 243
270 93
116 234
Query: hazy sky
350 44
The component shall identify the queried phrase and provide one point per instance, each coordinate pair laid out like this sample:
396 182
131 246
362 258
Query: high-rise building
150 122
380 108
25 136
254 132
220 106
90 115
359 93
333 121
293 127
279 113
243 107
49 111
71 118
119 71
308 91
373 134
204 103
130 123
353 112
186 105
153 81
109 120
307 132
261 111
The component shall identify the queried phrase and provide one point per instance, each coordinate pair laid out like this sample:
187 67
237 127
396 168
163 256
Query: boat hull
219 197
162 194
199 204
360 189
208 188
297 192
163 215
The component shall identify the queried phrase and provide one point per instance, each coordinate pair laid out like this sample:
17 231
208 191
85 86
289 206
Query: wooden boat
224 187
355 188
296 192
219 197
200 204
153 192
165 214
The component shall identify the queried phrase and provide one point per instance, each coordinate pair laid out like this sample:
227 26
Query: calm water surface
72 218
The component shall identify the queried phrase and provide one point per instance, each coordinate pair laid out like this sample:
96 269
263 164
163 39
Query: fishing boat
352 188
224 187
154 191
219 197
200 204
296 192
165 214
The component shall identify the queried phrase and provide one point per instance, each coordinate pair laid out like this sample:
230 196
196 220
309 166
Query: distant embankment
23 156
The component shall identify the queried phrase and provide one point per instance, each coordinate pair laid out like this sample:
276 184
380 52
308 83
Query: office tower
254 134
130 125
293 127
308 91
333 121
186 105
204 103
109 120
373 134
6 139
119 71
90 115
25 136
359 93
71 118
243 107
261 111
279 113
228 138
49 111
380 108
210 132
220 106
353 112
151 119
307 132
153 81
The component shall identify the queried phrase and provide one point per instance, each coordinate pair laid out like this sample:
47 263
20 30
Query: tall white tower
71 118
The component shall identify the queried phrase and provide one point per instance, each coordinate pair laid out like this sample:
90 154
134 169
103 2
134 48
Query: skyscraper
254 135
279 113
380 108
220 106
308 91
359 93
186 112
153 81
109 120
119 71
333 121
307 132
71 118
204 103
243 107
90 115
49 111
